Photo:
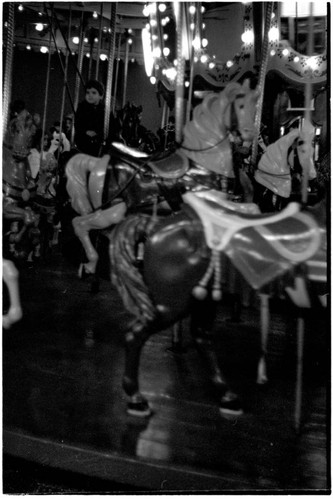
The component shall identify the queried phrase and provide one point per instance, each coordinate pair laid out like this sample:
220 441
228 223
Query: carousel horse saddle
172 166
222 219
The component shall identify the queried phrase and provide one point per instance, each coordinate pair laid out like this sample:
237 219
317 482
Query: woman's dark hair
95 84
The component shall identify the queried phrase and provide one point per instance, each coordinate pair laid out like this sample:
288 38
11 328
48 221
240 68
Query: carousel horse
183 263
131 132
280 168
45 202
10 277
128 180
182 251
19 188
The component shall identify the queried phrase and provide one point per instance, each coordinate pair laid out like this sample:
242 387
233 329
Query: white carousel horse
274 168
206 143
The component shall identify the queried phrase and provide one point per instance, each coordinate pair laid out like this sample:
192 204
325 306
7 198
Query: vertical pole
79 64
299 375
99 41
8 67
116 76
308 95
46 97
179 95
125 73
65 77
108 93
261 84
166 124
91 57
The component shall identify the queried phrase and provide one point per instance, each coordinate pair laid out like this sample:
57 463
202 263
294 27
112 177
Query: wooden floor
63 405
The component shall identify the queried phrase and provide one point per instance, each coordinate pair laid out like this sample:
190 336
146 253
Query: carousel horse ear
231 91
246 84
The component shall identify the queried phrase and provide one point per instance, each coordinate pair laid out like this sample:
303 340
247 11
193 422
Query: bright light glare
147 53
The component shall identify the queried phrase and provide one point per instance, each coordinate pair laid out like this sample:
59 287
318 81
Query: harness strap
171 194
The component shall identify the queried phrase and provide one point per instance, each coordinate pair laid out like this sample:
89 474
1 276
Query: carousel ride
173 219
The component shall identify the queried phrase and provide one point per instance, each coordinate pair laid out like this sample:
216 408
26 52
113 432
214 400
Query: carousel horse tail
126 276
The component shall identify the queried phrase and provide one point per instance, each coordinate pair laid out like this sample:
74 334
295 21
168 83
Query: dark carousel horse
21 234
132 133
130 180
183 263
182 251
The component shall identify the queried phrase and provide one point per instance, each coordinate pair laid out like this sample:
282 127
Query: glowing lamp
247 37
39 27
273 34
312 62
171 73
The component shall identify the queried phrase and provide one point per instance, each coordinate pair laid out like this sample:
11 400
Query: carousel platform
64 408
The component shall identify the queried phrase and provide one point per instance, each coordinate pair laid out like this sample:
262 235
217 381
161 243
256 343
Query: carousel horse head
129 119
16 148
214 119
277 163
19 135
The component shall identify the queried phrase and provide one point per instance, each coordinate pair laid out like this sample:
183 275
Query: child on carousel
89 120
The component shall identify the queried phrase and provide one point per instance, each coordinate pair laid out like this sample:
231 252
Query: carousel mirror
295 26
226 18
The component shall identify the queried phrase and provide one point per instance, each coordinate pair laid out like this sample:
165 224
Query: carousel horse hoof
139 409
83 273
230 405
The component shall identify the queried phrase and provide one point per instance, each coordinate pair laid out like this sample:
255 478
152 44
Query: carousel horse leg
10 277
138 405
100 219
229 404
264 325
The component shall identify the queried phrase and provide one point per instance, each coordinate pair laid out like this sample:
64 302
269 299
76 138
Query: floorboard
64 408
